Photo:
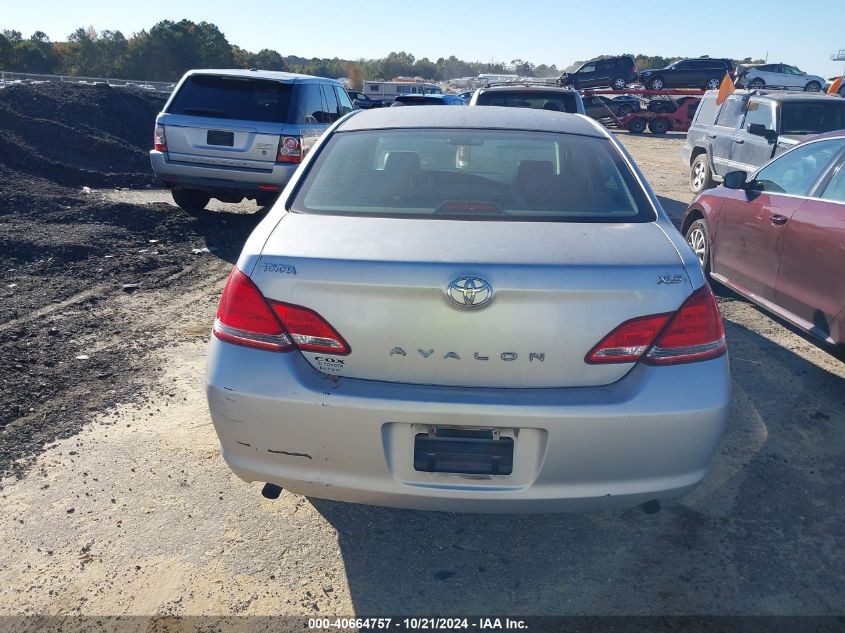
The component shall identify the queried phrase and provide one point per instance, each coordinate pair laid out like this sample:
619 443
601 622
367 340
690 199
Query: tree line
168 49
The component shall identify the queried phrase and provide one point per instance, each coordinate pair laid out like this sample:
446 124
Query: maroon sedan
777 236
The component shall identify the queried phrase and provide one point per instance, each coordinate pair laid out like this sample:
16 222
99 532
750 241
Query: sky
800 32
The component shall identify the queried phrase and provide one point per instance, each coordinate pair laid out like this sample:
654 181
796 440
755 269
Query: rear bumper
219 178
650 435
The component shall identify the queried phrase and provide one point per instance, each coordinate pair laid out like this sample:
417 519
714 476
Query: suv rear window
812 118
506 175
241 98
563 101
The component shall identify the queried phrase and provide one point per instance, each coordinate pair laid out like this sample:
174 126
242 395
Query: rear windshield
564 101
507 175
233 98
812 118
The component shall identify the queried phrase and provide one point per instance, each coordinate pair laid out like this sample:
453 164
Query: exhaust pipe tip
271 491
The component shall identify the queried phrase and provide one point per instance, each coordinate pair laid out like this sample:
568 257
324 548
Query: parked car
777 76
479 309
466 96
776 236
678 120
610 72
364 102
749 128
666 103
701 72
430 99
829 83
235 134
529 95
597 106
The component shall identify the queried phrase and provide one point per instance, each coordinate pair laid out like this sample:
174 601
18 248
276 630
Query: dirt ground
116 502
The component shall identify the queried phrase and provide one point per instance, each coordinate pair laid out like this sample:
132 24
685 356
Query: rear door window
504 175
231 97
311 107
731 113
343 99
332 107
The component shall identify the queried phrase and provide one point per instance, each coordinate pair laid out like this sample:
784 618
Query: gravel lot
116 501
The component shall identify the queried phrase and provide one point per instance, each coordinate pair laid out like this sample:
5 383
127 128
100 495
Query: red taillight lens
159 139
309 330
245 317
290 150
693 333
628 342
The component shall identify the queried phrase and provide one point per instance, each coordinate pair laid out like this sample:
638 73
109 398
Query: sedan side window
797 171
587 68
835 189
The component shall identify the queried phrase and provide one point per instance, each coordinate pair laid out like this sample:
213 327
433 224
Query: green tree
6 52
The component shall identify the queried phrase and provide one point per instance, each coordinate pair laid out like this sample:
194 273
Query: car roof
824 135
522 87
780 95
273 75
487 117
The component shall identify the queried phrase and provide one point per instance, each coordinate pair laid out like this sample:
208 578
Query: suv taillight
693 333
290 150
246 318
159 139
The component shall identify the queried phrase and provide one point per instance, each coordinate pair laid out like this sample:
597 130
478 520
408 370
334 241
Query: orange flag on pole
835 86
726 89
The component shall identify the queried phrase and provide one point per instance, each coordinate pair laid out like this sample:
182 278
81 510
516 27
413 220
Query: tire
813 86
637 125
713 83
618 83
190 200
659 126
700 176
699 240
756 84
624 110
656 83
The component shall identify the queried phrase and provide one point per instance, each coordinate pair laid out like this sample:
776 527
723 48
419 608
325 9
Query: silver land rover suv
235 134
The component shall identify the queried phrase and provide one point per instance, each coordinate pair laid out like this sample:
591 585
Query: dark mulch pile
78 135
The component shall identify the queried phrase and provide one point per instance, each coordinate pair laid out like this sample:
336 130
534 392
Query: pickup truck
752 127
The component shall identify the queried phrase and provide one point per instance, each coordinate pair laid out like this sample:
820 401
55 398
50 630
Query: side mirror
758 129
735 180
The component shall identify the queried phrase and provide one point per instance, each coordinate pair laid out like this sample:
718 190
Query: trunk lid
558 289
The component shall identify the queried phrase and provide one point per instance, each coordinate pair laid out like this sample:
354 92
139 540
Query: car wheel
637 125
190 200
757 83
700 177
659 126
713 83
655 84
699 241
618 83
813 86
624 110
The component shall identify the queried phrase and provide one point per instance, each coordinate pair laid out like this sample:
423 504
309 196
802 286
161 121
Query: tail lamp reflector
695 332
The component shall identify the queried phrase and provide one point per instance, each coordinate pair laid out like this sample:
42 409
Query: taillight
159 139
290 150
245 317
309 330
693 333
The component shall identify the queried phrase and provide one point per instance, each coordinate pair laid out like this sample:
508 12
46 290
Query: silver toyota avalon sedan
469 309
